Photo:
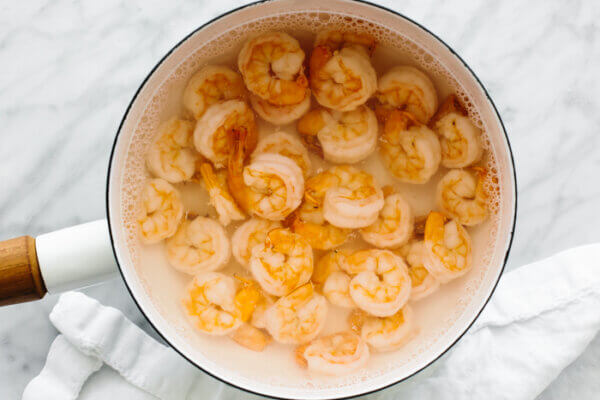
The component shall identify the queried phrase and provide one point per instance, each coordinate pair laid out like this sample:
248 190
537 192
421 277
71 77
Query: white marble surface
68 70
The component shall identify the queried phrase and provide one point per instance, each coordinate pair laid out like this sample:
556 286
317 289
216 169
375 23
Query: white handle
76 257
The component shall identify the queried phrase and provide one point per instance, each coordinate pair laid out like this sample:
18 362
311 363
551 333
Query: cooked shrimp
212 129
209 303
410 150
328 264
393 227
336 40
251 338
308 221
462 196
407 88
286 145
280 115
220 198
170 157
199 245
354 200
297 317
272 67
447 247
422 282
160 212
381 285
389 333
270 187
459 138
341 74
282 263
337 354
212 84
340 137
340 196
336 289
248 235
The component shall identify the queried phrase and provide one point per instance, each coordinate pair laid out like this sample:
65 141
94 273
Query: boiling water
434 315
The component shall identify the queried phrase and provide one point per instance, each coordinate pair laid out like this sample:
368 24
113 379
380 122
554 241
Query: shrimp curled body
448 248
219 120
297 317
393 227
381 285
389 333
340 137
248 235
199 245
171 157
211 85
459 138
462 196
209 303
410 150
282 263
336 354
341 75
354 201
161 211
407 88
270 187
272 67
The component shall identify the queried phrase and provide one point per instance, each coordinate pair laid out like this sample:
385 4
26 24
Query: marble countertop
69 69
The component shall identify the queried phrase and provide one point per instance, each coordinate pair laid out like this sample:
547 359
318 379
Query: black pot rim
112 240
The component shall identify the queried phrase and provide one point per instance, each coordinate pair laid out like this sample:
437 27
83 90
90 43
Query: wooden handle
20 277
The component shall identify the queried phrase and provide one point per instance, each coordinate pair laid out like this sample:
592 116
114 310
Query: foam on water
393 49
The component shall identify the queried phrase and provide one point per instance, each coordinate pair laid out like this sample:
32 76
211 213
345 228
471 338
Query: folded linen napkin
540 319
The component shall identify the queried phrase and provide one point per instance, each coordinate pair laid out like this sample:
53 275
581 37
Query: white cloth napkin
540 319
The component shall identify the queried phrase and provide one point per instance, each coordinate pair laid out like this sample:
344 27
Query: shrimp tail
313 144
308 127
434 227
299 355
197 177
482 177
450 105
419 227
295 224
319 57
400 121
302 80
208 175
388 190
382 112
238 142
290 221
